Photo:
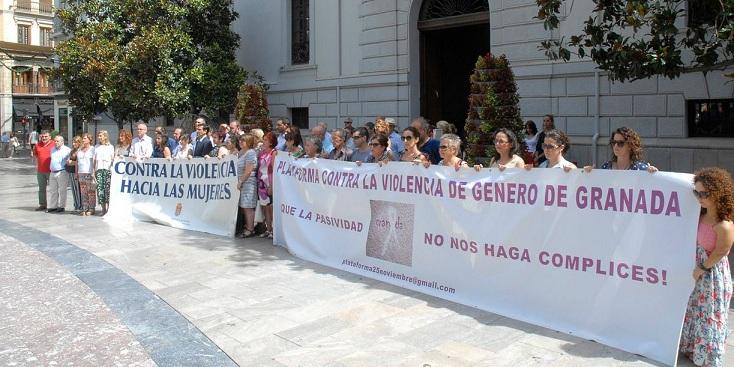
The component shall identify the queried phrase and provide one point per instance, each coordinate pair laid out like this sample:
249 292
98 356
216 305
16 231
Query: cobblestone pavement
49 317
260 305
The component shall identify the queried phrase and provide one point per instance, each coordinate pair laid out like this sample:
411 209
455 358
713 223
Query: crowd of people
86 168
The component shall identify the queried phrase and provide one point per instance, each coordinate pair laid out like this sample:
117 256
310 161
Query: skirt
88 191
705 328
248 194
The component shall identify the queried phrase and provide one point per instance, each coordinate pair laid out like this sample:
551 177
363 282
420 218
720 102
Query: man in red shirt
42 153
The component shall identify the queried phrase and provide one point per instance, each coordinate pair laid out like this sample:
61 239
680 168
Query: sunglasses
406 138
550 146
701 194
619 143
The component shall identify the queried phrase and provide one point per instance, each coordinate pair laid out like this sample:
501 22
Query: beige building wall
36 14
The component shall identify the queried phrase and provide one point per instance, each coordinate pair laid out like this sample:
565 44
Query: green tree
142 59
637 39
217 44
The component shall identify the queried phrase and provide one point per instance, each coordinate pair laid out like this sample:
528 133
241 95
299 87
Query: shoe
52 210
41 208
247 234
59 210
263 235
270 235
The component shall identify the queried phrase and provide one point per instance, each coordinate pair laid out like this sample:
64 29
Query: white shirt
561 163
104 154
84 160
142 148
183 152
531 142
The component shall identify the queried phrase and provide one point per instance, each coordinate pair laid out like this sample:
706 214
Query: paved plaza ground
79 291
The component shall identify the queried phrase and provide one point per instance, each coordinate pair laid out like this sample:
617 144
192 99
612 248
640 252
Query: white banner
606 255
198 194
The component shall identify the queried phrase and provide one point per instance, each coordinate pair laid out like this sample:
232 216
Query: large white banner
606 255
198 194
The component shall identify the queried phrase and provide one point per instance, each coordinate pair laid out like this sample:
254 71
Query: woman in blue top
626 152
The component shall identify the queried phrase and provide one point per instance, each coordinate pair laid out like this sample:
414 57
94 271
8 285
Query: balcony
42 7
32 88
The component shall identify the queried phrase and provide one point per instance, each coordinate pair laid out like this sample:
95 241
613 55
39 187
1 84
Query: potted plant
493 104
252 105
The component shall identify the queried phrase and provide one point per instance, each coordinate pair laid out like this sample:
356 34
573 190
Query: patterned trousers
103 186
86 186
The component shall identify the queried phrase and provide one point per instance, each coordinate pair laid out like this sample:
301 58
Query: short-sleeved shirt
59 157
84 160
250 156
104 154
142 148
43 156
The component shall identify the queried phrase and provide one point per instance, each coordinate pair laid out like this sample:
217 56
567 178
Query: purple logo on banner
390 237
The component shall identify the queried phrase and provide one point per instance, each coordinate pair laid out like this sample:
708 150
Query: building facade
25 53
326 60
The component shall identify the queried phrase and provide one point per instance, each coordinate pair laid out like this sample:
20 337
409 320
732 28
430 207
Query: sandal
247 234
270 234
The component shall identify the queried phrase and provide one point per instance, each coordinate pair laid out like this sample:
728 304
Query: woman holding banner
380 153
246 167
313 147
556 144
184 150
124 141
265 181
412 154
506 147
449 149
293 142
626 152
705 325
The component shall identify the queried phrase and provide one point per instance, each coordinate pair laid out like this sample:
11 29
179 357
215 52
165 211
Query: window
711 118
45 6
46 37
24 34
702 12
299 117
23 5
299 32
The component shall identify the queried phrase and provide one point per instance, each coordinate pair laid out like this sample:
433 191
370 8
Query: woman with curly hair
705 325
627 151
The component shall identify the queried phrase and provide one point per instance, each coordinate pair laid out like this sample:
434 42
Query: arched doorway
451 33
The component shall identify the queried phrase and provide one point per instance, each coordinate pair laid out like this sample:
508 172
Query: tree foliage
142 59
637 39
